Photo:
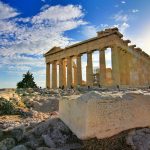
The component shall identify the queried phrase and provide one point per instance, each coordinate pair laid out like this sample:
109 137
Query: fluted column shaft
61 73
48 75
89 69
140 73
75 75
115 66
102 72
121 66
64 82
79 70
69 72
54 75
144 70
128 68
134 78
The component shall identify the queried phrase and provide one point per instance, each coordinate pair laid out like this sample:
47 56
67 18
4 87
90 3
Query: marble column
115 66
139 68
145 71
69 72
54 75
142 70
134 79
61 73
148 71
128 67
48 75
121 66
64 81
79 70
75 74
89 69
102 69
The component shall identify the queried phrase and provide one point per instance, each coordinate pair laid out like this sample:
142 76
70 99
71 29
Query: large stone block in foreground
106 114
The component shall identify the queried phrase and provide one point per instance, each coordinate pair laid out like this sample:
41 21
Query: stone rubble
41 128
139 139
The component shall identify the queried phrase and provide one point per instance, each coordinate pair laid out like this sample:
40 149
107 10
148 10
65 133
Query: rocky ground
36 125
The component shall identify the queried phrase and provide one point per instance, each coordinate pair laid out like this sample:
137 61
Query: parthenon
130 65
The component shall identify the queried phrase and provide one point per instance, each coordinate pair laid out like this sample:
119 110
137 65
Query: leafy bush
27 81
6 107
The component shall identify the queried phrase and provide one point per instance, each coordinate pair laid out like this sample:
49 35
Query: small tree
27 81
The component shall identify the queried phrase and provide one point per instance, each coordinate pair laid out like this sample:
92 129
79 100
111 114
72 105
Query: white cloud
34 35
122 20
120 16
122 27
142 38
6 11
43 1
89 31
45 31
123 2
135 10
45 7
58 13
116 6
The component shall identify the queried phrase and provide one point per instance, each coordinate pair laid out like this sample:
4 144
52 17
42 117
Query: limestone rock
19 147
41 128
48 141
32 142
36 104
7 143
93 95
139 139
30 90
104 114
1 134
58 137
45 148
18 133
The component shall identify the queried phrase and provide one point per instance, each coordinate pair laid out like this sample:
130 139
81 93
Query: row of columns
77 72
63 81
133 69
126 70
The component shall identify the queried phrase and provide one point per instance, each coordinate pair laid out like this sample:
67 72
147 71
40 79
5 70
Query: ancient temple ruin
130 65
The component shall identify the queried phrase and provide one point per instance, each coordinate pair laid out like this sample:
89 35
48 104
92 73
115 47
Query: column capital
102 49
48 63
89 52
60 61
79 55
54 61
113 46
69 57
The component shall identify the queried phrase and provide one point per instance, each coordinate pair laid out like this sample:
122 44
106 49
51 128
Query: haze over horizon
28 29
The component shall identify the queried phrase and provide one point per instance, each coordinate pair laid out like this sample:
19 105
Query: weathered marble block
104 115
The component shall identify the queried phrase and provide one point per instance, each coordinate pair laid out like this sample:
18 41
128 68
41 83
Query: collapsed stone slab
105 114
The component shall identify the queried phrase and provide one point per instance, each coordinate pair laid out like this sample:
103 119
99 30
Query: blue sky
29 28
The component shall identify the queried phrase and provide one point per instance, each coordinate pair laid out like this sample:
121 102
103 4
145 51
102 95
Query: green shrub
6 107
27 81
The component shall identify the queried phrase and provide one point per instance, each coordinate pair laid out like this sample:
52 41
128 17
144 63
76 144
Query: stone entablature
130 65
